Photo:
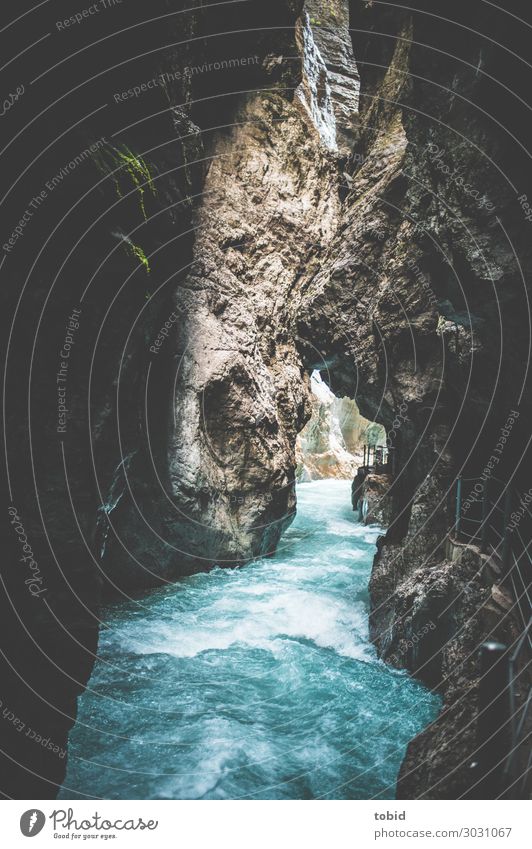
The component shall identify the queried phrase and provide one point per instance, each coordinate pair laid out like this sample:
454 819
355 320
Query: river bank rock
376 500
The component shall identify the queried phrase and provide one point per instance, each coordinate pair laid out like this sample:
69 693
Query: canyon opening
261 681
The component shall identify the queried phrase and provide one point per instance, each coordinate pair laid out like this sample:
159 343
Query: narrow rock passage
258 682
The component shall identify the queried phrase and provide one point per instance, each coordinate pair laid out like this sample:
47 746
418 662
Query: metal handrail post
507 543
458 507
485 512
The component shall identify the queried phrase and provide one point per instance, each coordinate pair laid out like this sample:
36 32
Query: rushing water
256 682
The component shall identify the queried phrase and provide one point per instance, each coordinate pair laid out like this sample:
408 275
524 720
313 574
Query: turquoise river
256 683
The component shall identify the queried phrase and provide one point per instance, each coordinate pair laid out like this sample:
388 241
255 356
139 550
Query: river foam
258 682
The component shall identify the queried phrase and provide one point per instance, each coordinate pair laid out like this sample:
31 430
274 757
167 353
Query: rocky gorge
332 442
346 201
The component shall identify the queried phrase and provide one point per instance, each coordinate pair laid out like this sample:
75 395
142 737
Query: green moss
328 9
137 252
119 162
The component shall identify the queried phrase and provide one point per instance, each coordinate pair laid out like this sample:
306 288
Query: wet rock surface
240 392
375 502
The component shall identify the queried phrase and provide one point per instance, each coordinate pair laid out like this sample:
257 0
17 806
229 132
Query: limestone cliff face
321 450
331 445
330 84
406 304
240 393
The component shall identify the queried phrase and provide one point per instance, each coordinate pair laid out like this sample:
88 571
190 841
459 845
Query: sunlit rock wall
331 443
